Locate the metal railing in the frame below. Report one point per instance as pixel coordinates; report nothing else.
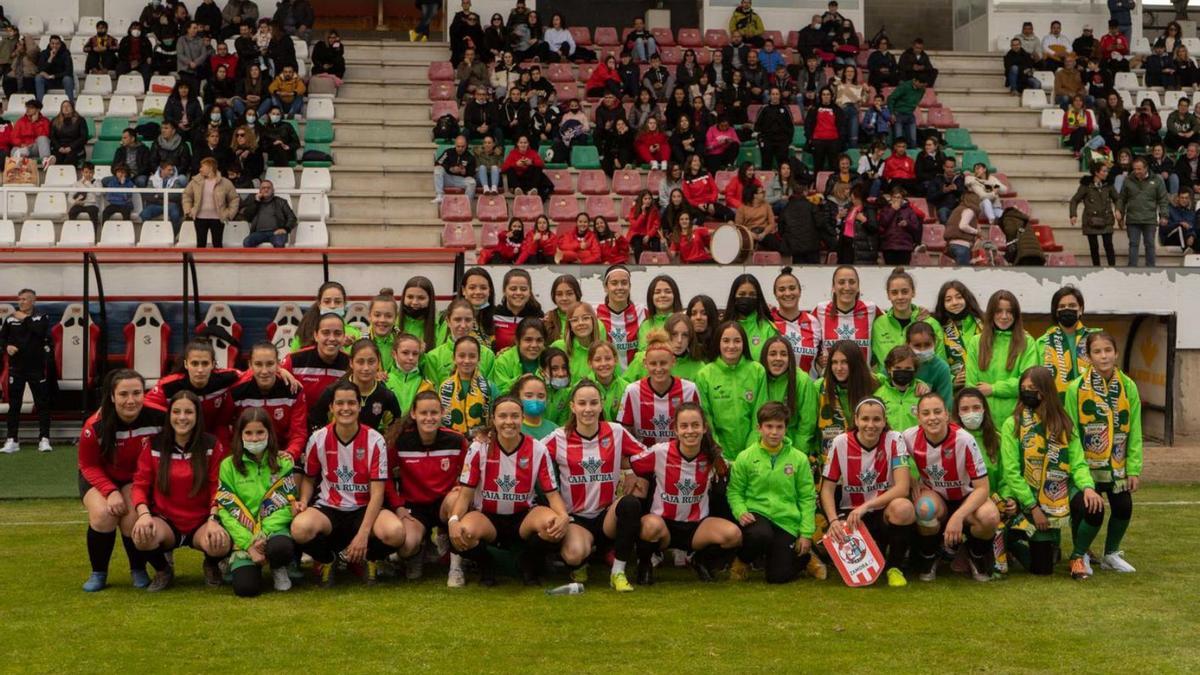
(163, 193)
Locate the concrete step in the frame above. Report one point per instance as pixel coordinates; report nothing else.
(386, 132)
(1040, 185)
(957, 97)
(396, 52)
(1000, 137)
(409, 232)
(348, 177)
(412, 109)
(374, 70)
(368, 206)
(1011, 118)
(974, 77)
(376, 154)
(1030, 160)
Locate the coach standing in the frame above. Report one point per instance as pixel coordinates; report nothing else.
(25, 337)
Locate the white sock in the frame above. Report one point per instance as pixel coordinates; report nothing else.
(618, 566)
(455, 561)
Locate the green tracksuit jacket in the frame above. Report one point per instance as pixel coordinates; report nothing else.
(777, 486)
(887, 334)
(250, 488)
(731, 397)
(1006, 383)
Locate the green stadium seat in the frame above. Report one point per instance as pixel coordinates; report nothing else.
(750, 154)
(111, 129)
(972, 157)
(318, 131)
(103, 152)
(585, 157)
(798, 138)
(544, 153)
(959, 139)
(854, 154)
(321, 147)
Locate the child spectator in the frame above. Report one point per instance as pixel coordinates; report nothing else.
(87, 203)
(987, 188)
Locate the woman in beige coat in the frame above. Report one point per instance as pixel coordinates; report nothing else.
(210, 200)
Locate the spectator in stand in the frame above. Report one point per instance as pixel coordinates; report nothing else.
(279, 139)
(247, 155)
(721, 145)
(471, 74)
(756, 77)
(495, 40)
(1099, 199)
(686, 140)
(208, 16)
(747, 22)
(429, 11)
(915, 62)
(988, 188)
(899, 229)
(526, 41)
(900, 170)
(574, 121)
(962, 229)
(652, 145)
(657, 79)
(287, 92)
(1143, 206)
(86, 203)
(809, 82)
(677, 106)
(606, 116)
(1086, 46)
(756, 215)
(1159, 69)
(735, 189)
(945, 190)
(645, 233)
(1068, 83)
(780, 189)
(183, 108)
(1160, 163)
(480, 116)
(465, 31)
(903, 102)
(672, 180)
(1030, 42)
(68, 135)
(505, 73)
(518, 15)
(561, 44)
(737, 99)
(135, 157)
(164, 58)
(210, 200)
(1182, 125)
(222, 57)
(157, 15)
(630, 76)
(876, 125)
(1055, 47)
(850, 96)
(215, 146)
(845, 175)
(882, 69)
(513, 115)
(640, 42)
(455, 168)
(488, 158)
(118, 203)
(171, 146)
(1114, 124)
(24, 54)
(617, 149)
(704, 89)
(1181, 223)
(1122, 169)
(814, 40)
(1184, 69)
(1172, 37)
(700, 191)
(1114, 41)
(101, 50)
(774, 130)
(1144, 124)
(845, 44)
(192, 54)
(219, 94)
(166, 178)
(1115, 63)
(31, 135)
(246, 48)
(736, 54)
(1079, 125)
(821, 126)
(250, 93)
(538, 87)
(692, 242)
(688, 72)
(524, 171)
(870, 168)
(767, 56)
(1120, 16)
(1187, 169)
(270, 218)
(808, 225)
(295, 17)
(1019, 67)
(604, 78)
(55, 70)
(236, 13)
(543, 123)
(929, 160)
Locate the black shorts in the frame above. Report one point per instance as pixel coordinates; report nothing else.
(429, 515)
(84, 485)
(873, 521)
(182, 538)
(681, 533)
(508, 527)
(345, 525)
(594, 525)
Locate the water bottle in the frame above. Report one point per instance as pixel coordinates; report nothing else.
(573, 588)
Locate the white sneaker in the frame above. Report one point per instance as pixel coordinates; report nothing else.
(44, 445)
(930, 575)
(1116, 562)
(456, 579)
(282, 581)
(11, 447)
(436, 200)
(1087, 563)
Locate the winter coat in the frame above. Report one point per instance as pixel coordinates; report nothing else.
(806, 226)
(1015, 226)
(899, 229)
(1099, 202)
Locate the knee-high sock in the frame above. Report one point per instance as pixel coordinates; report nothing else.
(1085, 534)
(1121, 504)
(137, 558)
(319, 549)
(629, 513)
(899, 538)
(927, 551)
(980, 551)
(100, 547)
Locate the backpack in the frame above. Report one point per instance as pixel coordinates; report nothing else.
(445, 128)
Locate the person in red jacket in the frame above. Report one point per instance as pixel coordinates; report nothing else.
(507, 247)
(109, 447)
(319, 366)
(900, 170)
(645, 222)
(525, 171)
(700, 190)
(604, 79)
(1078, 125)
(614, 246)
(692, 245)
(577, 243)
(652, 145)
(6, 139)
(31, 134)
(263, 386)
(736, 187)
(1113, 41)
(540, 245)
(199, 375)
(173, 492)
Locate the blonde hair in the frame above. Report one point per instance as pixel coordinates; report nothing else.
(212, 165)
(251, 137)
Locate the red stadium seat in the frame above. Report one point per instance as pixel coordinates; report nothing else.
(793, 41)
(930, 99)
(921, 205)
(775, 37)
(933, 236)
(663, 37)
(562, 181)
(823, 180)
(561, 72)
(563, 208)
(723, 178)
(1045, 237)
(441, 91)
(766, 258)
(752, 111)
(458, 235)
(654, 179)
(690, 37)
(1008, 193)
(627, 205)
(490, 234)
(1061, 259)
(593, 182)
(443, 108)
(626, 182)
(581, 35)
(527, 208)
(597, 205)
(606, 36)
(1018, 204)
(922, 259)
(997, 236)
(942, 118)
(492, 208)
(715, 38)
(703, 56)
(585, 71)
(440, 71)
(654, 258)
(456, 208)
(671, 55)
(797, 116)
(566, 91)
(862, 57)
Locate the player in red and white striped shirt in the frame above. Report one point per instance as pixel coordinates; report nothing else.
(684, 470)
(500, 478)
(346, 465)
(622, 319)
(588, 452)
(649, 404)
(847, 316)
(953, 490)
(801, 329)
(869, 463)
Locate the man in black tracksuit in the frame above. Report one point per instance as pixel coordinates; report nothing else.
(25, 338)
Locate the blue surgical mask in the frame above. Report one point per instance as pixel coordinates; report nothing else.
(533, 407)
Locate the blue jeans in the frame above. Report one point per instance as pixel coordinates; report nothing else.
(256, 239)
(943, 213)
(905, 125)
(1173, 184)
(292, 109)
(1018, 83)
(1064, 102)
(850, 114)
(488, 177)
(961, 254)
(428, 12)
(41, 84)
(155, 212)
(1141, 233)
(643, 48)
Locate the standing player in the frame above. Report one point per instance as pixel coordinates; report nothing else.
(869, 464)
(887, 331)
(621, 318)
(345, 467)
(405, 378)
(958, 313)
(800, 328)
(1000, 353)
(954, 479)
(25, 339)
(846, 316)
(732, 389)
(588, 453)
(200, 377)
(794, 389)
(1063, 346)
(262, 387)
(651, 403)
(320, 365)
(495, 504)
(747, 305)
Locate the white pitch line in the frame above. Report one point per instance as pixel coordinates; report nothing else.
(35, 523)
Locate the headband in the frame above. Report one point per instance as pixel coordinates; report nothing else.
(616, 268)
(868, 400)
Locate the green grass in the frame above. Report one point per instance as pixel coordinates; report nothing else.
(1142, 622)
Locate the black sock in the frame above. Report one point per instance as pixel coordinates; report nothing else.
(927, 551)
(899, 537)
(212, 560)
(629, 521)
(157, 559)
(137, 558)
(477, 554)
(100, 547)
(319, 549)
(980, 551)
(533, 555)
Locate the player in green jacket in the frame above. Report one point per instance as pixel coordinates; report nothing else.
(256, 496)
(524, 358)
(558, 385)
(732, 389)
(887, 331)
(583, 330)
(958, 313)
(931, 368)
(418, 313)
(748, 306)
(793, 388)
(1046, 474)
(331, 299)
(772, 497)
(1061, 348)
(1106, 408)
(901, 390)
(970, 411)
(438, 363)
(662, 300)
(602, 360)
(404, 378)
(1001, 352)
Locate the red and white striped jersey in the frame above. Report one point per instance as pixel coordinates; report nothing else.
(681, 484)
(803, 334)
(854, 325)
(622, 328)
(506, 483)
(864, 473)
(649, 415)
(345, 470)
(590, 468)
(949, 468)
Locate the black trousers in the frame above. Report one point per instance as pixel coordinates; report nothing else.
(40, 388)
(204, 226)
(1110, 254)
(92, 212)
(897, 257)
(772, 155)
(765, 538)
(825, 155)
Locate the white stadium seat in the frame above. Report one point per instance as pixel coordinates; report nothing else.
(87, 25)
(315, 178)
(18, 204)
(319, 109)
(357, 316)
(1052, 118)
(1192, 44)
(219, 314)
(148, 336)
(157, 234)
(32, 25)
(1144, 94)
(37, 234)
(312, 235)
(1034, 98)
(58, 175)
(282, 177)
(72, 327)
(167, 81)
(1126, 99)
(78, 234)
(124, 106)
(1046, 78)
(152, 103)
(75, 46)
(52, 205)
(235, 232)
(90, 106)
(98, 84)
(52, 103)
(62, 26)
(1141, 46)
(8, 233)
(312, 207)
(132, 85)
(103, 171)
(119, 27)
(79, 63)
(117, 233)
(1126, 81)
(1171, 99)
(187, 235)
(283, 327)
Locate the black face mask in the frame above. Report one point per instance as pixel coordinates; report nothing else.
(409, 310)
(959, 316)
(745, 306)
(1031, 399)
(1067, 318)
(903, 376)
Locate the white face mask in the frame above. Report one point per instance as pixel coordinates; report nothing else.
(560, 382)
(924, 356)
(135, 33)
(276, 118)
(215, 117)
(249, 119)
(972, 420)
(255, 448)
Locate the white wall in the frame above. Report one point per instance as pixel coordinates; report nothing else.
(780, 15)
(47, 9)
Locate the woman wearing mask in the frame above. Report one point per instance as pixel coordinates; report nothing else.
(1000, 353)
(901, 390)
(931, 369)
(1063, 347)
(971, 413)
(556, 367)
(887, 331)
(732, 389)
(418, 315)
(747, 305)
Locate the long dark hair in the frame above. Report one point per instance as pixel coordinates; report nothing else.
(107, 421)
(727, 325)
(789, 375)
(312, 316)
(359, 345)
(860, 383)
(483, 317)
(706, 338)
(676, 306)
(942, 315)
(1051, 411)
(987, 430)
(238, 451)
(695, 349)
(553, 326)
(708, 444)
(532, 305)
(429, 319)
(195, 346)
(987, 330)
(763, 311)
(197, 445)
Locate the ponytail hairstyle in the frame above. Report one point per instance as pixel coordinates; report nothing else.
(483, 316)
(237, 450)
(787, 272)
(197, 447)
(790, 396)
(708, 445)
(1098, 336)
(429, 317)
(197, 345)
(407, 423)
(585, 383)
(519, 386)
(312, 316)
(657, 339)
(987, 331)
(532, 306)
(456, 304)
(898, 273)
(972, 308)
(838, 270)
(987, 429)
(1051, 412)
(860, 383)
(107, 419)
(870, 400)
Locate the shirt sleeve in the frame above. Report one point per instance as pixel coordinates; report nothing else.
(643, 462)
(976, 468)
(312, 458)
(471, 471)
(297, 426)
(630, 446)
(379, 457)
(143, 477)
(1011, 463)
(833, 466)
(547, 476)
(90, 463)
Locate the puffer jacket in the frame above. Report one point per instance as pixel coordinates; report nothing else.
(866, 237)
(899, 229)
(1143, 201)
(958, 229)
(807, 225)
(1099, 200)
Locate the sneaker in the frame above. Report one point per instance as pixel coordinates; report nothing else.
(97, 581)
(978, 574)
(456, 578)
(11, 447)
(896, 578)
(580, 574)
(815, 568)
(324, 574)
(931, 575)
(1087, 562)
(372, 575)
(413, 567)
(703, 573)
(139, 578)
(424, 38)
(620, 583)
(162, 580)
(1079, 569)
(212, 574)
(681, 558)
(1116, 562)
(44, 445)
(518, 192)
(283, 580)
(294, 571)
(438, 199)
(739, 571)
(412, 36)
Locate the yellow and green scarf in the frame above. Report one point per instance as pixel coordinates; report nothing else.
(466, 405)
(1046, 469)
(1066, 363)
(956, 348)
(831, 421)
(1104, 420)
